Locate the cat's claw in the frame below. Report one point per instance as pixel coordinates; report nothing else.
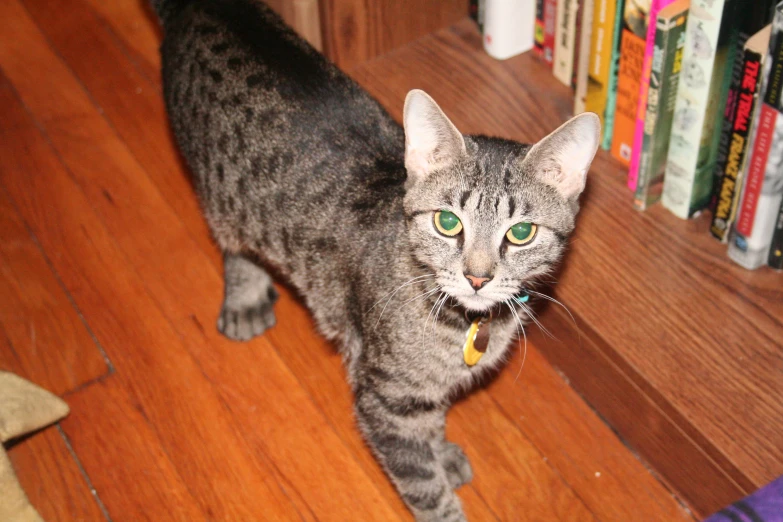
(246, 323)
(456, 464)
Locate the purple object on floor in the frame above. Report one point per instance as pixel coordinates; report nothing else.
(765, 505)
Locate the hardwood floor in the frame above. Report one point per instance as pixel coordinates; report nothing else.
(111, 287)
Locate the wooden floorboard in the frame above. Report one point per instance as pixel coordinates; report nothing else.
(46, 340)
(52, 479)
(683, 348)
(192, 426)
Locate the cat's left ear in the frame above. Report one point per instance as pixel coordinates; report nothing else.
(432, 142)
(563, 158)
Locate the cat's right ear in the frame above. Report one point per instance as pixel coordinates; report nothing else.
(432, 142)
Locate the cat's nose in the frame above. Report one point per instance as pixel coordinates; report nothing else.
(478, 281)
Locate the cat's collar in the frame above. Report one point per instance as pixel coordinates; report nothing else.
(477, 337)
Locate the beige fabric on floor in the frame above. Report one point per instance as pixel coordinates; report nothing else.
(24, 407)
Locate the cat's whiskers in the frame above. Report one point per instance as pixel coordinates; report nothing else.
(437, 312)
(529, 312)
(407, 283)
(442, 297)
(553, 300)
(428, 292)
(520, 326)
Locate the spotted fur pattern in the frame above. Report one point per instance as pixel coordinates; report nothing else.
(300, 170)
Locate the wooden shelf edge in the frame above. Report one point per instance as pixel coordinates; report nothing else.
(693, 468)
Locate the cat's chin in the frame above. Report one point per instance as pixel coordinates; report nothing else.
(476, 303)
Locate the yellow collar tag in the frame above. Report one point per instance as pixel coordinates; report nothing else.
(474, 349)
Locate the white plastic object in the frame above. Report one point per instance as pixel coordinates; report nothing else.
(508, 27)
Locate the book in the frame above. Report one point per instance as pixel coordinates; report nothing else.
(565, 35)
(662, 95)
(583, 49)
(538, 32)
(577, 39)
(550, 23)
(601, 38)
(744, 109)
(749, 20)
(476, 12)
(644, 85)
(776, 245)
(684, 193)
(629, 73)
(611, 88)
(762, 189)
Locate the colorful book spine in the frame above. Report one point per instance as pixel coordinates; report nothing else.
(565, 35)
(762, 190)
(644, 85)
(538, 33)
(550, 25)
(728, 189)
(632, 48)
(611, 89)
(776, 245)
(583, 63)
(750, 19)
(600, 58)
(664, 79)
(476, 12)
(683, 193)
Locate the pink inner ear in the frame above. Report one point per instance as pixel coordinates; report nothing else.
(416, 162)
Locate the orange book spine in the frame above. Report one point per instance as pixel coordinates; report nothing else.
(629, 74)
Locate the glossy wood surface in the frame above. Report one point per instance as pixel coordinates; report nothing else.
(679, 348)
(189, 426)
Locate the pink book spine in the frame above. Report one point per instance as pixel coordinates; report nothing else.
(641, 108)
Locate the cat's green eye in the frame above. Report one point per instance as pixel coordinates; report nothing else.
(447, 223)
(521, 233)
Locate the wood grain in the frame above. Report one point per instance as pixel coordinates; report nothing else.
(150, 356)
(192, 426)
(52, 480)
(141, 221)
(656, 294)
(125, 459)
(45, 339)
(355, 31)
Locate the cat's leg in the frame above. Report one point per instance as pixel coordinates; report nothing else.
(454, 462)
(401, 431)
(249, 296)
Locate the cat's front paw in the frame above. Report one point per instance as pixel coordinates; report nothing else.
(242, 324)
(456, 464)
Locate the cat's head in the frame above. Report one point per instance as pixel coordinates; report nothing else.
(487, 216)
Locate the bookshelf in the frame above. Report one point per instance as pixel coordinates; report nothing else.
(679, 349)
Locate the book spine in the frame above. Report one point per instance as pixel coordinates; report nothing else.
(750, 19)
(762, 189)
(628, 77)
(538, 33)
(611, 89)
(600, 56)
(776, 245)
(644, 85)
(563, 67)
(664, 78)
(550, 24)
(577, 31)
(731, 179)
(583, 63)
(476, 12)
(683, 192)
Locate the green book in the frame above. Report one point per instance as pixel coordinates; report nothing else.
(611, 95)
(661, 97)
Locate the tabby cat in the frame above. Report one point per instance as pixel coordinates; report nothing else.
(400, 241)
